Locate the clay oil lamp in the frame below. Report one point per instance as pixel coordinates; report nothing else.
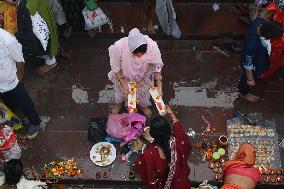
(261, 170)
(131, 175)
(204, 145)
(215, 170)
(211, 165)
(266, 171)
(279, 179)
(223, 140)
(266, 179)
(272, 171)
(198, 145)
(217, 164)
(99, 175)
(274, 179)
(217, 177)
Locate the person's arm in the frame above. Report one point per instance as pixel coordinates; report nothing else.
(171, 115)
(120, 80)
(249, 53)
(15, 52)
(20, 70)
(115, 63)
(158, 82)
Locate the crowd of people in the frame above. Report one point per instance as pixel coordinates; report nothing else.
(136, 58)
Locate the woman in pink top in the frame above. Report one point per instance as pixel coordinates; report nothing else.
(135, 58)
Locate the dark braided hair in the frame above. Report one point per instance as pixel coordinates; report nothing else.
(13, 170)
(160, 130)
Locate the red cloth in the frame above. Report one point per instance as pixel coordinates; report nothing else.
(154, 171)
(277, 45)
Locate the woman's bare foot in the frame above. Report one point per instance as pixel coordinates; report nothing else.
(250, 97)
(46, 68)
(117, 108)
(150, 28)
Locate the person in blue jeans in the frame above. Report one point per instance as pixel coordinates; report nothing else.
(255, 55)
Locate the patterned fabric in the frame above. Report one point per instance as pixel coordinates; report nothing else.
(94, 19)
(172, 164)
(40, 29)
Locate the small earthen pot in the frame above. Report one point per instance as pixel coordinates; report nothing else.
(274, 179)
(223, 140)
(217, 177)
(99, 175)
(266, 179)
(131, 175)
(215, 170)
(279, 179)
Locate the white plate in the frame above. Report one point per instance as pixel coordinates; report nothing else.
(109, 160)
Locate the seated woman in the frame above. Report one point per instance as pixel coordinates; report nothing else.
(135, 58)
(240, 173)
(164, 163)
(255, 55)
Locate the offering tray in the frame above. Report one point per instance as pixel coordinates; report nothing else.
(263, 136)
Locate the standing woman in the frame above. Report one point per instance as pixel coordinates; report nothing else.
(164, 163)
(135, 58)
(44, 10)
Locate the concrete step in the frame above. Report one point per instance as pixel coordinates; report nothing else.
(196, 20)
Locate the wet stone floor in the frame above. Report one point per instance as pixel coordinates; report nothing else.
(198, 81)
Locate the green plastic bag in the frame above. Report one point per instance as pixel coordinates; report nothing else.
(91, 5)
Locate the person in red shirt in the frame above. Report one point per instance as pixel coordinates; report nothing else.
(277, 45)
(164, 163)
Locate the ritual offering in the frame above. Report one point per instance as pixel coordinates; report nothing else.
(221, 151)
(160, 105)
(132, 97)
(262, 136)
(56, 170)
(103, 154)
(216, 156)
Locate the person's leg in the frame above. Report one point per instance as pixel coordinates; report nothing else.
(23, 101)
(149, 9)
(50, 63)
(244, 89)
